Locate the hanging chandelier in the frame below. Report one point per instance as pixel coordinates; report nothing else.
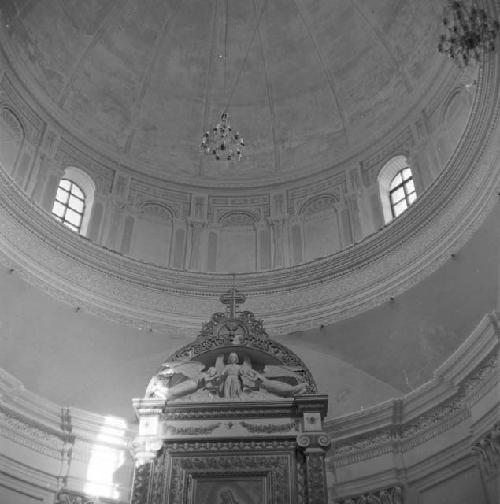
(222, 142)
(469, 32)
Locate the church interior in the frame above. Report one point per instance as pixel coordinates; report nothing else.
(249, 252)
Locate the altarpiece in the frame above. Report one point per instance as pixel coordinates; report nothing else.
(231, 418)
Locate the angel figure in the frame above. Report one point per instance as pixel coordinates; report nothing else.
(282, 380)
(176, 379)
(232, 372)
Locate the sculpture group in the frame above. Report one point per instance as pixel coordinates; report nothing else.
(230, 380)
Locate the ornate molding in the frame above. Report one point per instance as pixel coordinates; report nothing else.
(199, 430)
(408, 433)
(388, 495)
(276, 466)
(242, 330)
(232, 411)
(268, 428)
(232, 445)
(32, 435)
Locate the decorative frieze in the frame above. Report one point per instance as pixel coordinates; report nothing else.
(390, 495)
(268, 428)
(249, 445)
(33, 436)
(192, 430)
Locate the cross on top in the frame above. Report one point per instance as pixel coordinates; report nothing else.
(233, 298)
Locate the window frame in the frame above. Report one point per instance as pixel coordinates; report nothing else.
(70, 193)
(85, 183)
(406, 194)
(387, 174)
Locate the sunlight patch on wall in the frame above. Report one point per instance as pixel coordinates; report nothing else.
(107, 456)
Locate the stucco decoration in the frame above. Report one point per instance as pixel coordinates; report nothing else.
(391, 495)
(232, 359)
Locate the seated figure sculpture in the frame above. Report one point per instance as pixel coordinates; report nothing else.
(231, 381)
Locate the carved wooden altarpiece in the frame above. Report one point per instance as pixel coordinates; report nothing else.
(232, 418)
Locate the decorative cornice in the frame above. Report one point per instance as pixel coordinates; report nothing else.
(405, 434)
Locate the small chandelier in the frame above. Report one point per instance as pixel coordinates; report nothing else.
(469, 32)
(221, 142)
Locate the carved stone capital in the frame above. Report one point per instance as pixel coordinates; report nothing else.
(145, 448)
(316, 441)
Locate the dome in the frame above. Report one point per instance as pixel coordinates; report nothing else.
(307, 84)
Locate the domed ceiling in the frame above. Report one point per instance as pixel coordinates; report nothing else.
(141, 80)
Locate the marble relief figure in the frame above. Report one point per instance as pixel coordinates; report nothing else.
(227, 379)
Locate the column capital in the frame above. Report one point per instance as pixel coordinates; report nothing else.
(145, 448)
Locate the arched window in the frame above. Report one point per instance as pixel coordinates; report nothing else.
(402, 191)
(69, 204)
(74, 200)
(397, 187)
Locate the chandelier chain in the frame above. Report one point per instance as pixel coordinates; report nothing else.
(221, 141)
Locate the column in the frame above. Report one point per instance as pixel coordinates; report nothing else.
(314, 442)
(196, 230)
(263, 248)
(145, 448)
(351, 202)
(279, 238)
(112, 229)
(50, 188)
(178, 257)
(315, 446)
